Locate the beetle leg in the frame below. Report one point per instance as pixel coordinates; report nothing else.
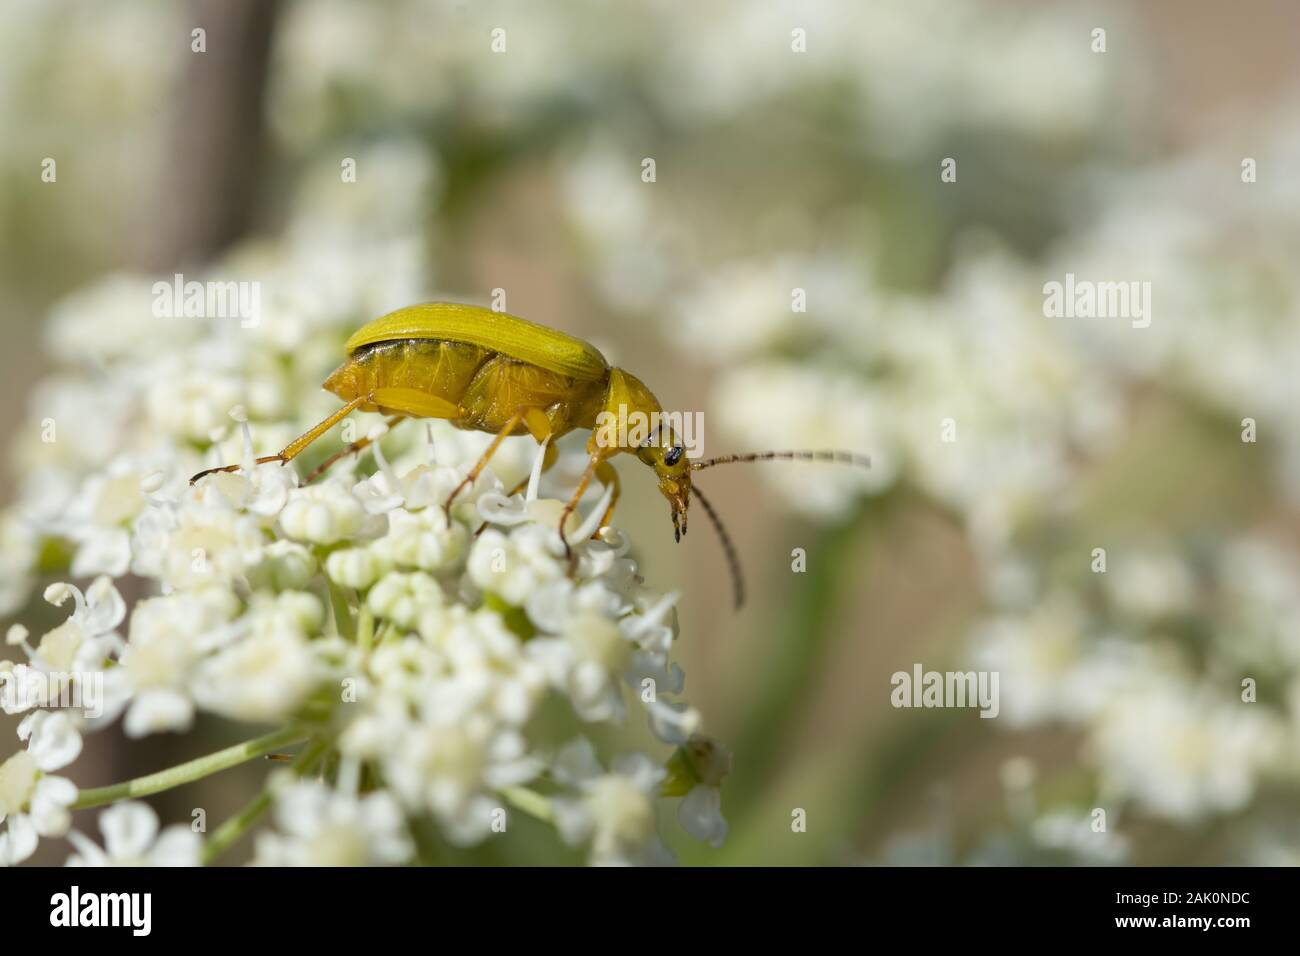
(537, 423)
(352, 449)
(551, 457)
(229, 468)
(413, 402)
(572, 506)
(292, 450)
(479, 465)
(607, 476)
(295, 447)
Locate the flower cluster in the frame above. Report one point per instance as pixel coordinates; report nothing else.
(447, 670)
(357, 611)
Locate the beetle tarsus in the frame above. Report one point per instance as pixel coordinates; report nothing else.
(570, 556)
(212, 471)
(229, 468)
(451, 499)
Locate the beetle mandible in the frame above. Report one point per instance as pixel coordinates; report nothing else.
(488, 371)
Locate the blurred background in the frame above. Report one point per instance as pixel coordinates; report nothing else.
(795, 146)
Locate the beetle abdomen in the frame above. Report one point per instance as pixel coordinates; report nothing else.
(503, 385)
(434, 366)
(488, 386)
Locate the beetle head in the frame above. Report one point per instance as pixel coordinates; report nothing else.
(673, 469)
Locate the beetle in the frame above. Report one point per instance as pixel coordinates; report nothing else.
(488, 371)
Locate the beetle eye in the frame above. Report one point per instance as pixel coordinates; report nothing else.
(673, 455)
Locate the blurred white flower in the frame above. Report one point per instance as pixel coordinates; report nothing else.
(1050, 667)
(132, 838)
(791, 406)
(1071, 831)
(1150, 584)
(746, 308)
(514, 566)
(322, 514)
(449, 763)
(405, 599)
(615, 812)
(83, 643)
(1180, 751)
(321, 826)
(266, 674)
(33, 803)
(168, 637)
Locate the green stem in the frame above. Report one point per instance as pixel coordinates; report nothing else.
(191, 771)
(801, 644)
(226, 835)
(365, 627)
(342, 613)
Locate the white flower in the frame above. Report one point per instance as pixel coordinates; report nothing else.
(322, 514)
(484, 665)
(33, 803)
(516, 565)
(194, 404)
(86, 638)
(100, 514)
(355, 567)
(1072, 832)
(107, 319)
(591, 659)
(700, 814)
(420, 539)
(405, 599)
(697, 770)
(131, 838)
(745, 308)
(1049, 667)
(168, 637)
(615, 812)
(1261, 603)
(53, 738)
(203, 541)
(18, 550)
(448, 766)
(321, 826)
(587, 663)
(776, 405)
(266, 674)
(283, 566)
(261, 490)
(1151, 584)
(1182, 753)
(71, 652)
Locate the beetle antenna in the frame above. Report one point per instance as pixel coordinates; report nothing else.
(838, 457)
(733, 559)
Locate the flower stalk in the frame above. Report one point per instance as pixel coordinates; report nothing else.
(190, 771)
(229, 833)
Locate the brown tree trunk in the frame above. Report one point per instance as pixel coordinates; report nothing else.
(211, 176)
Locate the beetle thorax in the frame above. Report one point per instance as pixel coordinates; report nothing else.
(628, 415)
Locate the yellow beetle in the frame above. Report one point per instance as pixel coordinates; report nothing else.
(487, 371)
